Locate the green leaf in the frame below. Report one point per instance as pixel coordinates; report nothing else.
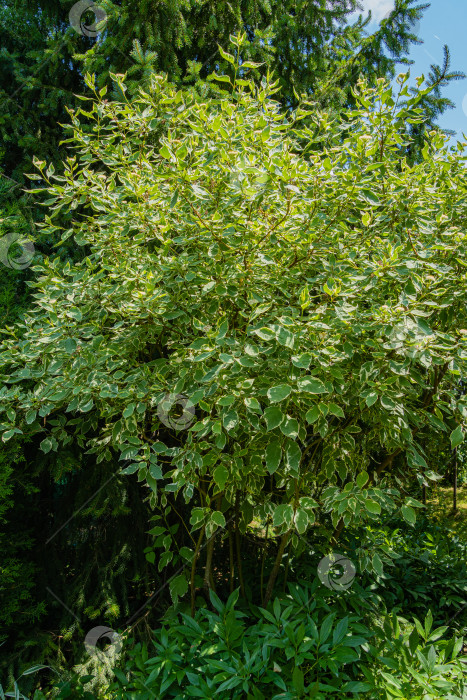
(253, 404)
(186, 553)
(129, 410)
(70, 345)
(293, 455)
(282, 514)
(408, 514)
(304, 297)
(165, 153)
(265, 333)
(178, 587)
(285, 337)
(302, 361)
(356, 687)
(371, 398)
(336, 410)
(372, 507)
(311, 385)
(457, 436)
(250, 64)
(279, 392)
(273, 456)
(230, 420)
(221, 475)
(132, 469)
(301, 521)
(222, 78)
(312, 415)
(226, 56)
(273, 417)
(46, 445)
(86, 406)
(377, 564)
(362, 479)
(174, 199)
(31, 416)
(218, 518)
(387, 403)
(226, 400)
(298, 680)
(289, 427)
(370, 197)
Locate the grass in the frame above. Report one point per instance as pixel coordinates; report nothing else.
(439, 507)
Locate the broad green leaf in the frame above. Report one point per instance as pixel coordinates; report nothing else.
(370, 197)
(372, 506)
(362, 479)
(265, 333)
(218, 518)
(252, 404)
(273, 417)
(178, 587)
(457, 436)
(31, 416)
(46, 445)
(273, 456)
(293, 455)
(230, 420)
(408, 514)
(279, 393)
(283, 514)
(377, 564)
(302, 361)
(285, 337)
(336, 410)
(221, 475)
(289, 427)
(301, 521)
(129, 410)
(312, 415)
(311, 385)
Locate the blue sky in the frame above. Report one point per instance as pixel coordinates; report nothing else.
(444, 22)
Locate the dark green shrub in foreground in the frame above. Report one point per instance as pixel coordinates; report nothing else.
(304, 646)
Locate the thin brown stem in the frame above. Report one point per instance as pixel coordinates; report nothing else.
(231, 560)
(193, 570)
(237, 542)
(276, 567)
(263, 558)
